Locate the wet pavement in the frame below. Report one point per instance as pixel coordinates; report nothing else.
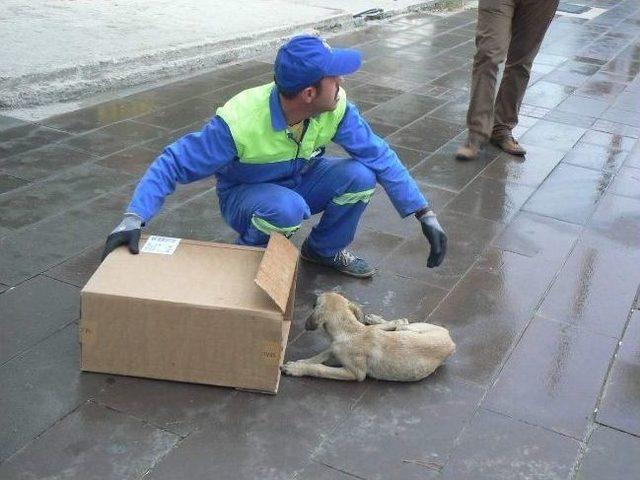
(539, 289)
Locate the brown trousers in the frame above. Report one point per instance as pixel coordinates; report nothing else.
(511, 30)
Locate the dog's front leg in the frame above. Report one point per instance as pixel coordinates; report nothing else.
(319, 358)
(302, 369)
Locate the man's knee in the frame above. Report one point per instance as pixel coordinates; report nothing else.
(361, 183)
(489, 55)
(282, 214)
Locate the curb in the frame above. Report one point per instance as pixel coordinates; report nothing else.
(73, 83)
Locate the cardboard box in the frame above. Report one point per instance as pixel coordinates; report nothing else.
(205, 313)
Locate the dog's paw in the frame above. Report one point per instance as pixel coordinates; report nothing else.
(293, 369)
(402, 321)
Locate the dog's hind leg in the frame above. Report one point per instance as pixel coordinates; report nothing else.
(391, 325)
(373, 319)
(302, 369)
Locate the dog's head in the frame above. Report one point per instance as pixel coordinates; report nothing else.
(332, 308)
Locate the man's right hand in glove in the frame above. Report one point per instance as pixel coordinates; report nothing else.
(126, 233)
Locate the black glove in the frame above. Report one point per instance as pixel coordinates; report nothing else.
(437, 238)
(126, 233)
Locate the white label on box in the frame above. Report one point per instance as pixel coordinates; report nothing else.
(162, 245)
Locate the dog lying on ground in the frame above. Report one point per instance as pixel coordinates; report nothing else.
(370, 346)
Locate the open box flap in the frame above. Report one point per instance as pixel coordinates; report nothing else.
(277, 270)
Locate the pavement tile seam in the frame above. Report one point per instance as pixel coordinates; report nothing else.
(60, 419)
(133, 179)
(138, 419)
(44, 339)
(344, 472)
(617, 429)
(45, 147)
(573, 326)
(584, 445)
(489, 409)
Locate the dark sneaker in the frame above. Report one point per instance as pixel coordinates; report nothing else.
(344, 261)
(509, 145)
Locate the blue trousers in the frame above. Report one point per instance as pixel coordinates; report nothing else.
(339, 187)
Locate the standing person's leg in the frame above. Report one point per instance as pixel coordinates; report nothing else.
(492, 39)
(341, 188)
(531, 20)
(257, 210)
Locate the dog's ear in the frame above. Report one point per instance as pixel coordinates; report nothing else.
(311, 323)
(357, 311)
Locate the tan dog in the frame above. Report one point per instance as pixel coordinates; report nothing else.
(370, 346)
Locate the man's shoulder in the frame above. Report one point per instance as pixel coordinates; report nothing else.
(246, 103)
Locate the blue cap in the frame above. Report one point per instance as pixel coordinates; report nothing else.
(305, 59)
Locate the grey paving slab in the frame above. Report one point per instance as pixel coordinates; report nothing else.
(442, 170)
(197, 219)
(27, 137)
(459, 78)
(595, 157)
(177, 407)
(134, 160)
(321, 472)
(633, 159)
(412, 136)
(44, 162)
(98, 116)
(9, 182)
(381, 129)
(115, 137)
(381, 215)
(622, 116)
(410, 157)
(616, 128)
(404, 109)
(416, 439)
(530, 171)
(617, 221)
(570, 193)
(626, 183)
(495, 446)
(492, 304)
(553, 377)
(610, 454)
(93, 442)
(553, 135)
(595, 288)
(546, 94)
(261, 436)
(611, 141)
(592, 107)
(40, 387)
(34, 249)
(53, 196)
(574, 119)
(492, 199)
(372, 93)
(158, 144)
(620, 403)
(467, 235)
(34, 310)
(78, 269)
(180, 115)
(454, 111)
